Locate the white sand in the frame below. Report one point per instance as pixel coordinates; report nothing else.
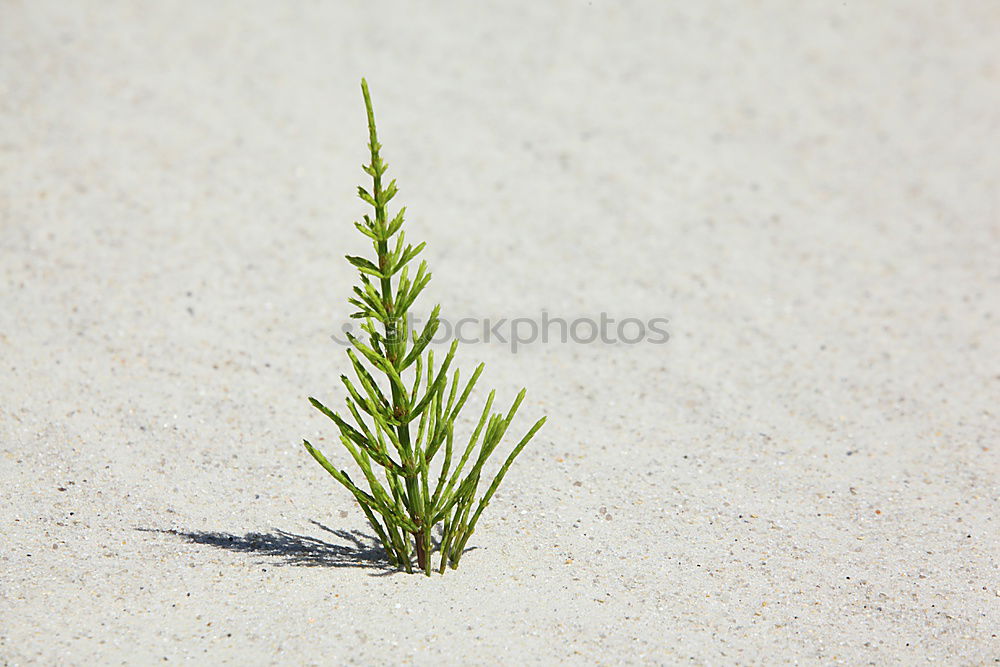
(806, 472)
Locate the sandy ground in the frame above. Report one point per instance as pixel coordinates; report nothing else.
(807, 472)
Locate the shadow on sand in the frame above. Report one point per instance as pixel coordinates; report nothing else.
(352, 548)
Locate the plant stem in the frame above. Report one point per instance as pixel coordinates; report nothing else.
(395, 349)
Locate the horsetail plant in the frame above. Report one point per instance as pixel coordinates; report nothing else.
(403, 431)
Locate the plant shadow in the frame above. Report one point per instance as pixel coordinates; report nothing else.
(355, 549)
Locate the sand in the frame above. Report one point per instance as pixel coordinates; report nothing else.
(806, 472)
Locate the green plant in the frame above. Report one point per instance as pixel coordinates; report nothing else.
(406, 502)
